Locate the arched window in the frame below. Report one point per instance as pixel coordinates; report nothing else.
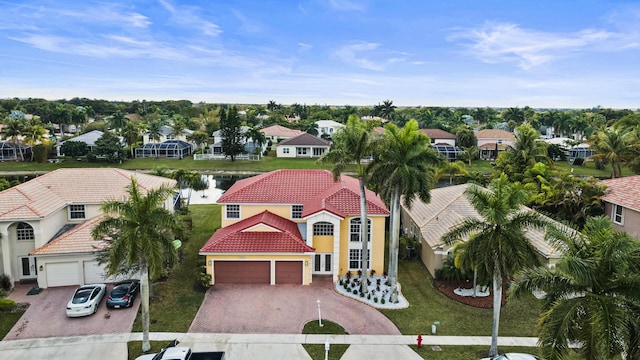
(322, 228)
(354, 229)
(24, 231)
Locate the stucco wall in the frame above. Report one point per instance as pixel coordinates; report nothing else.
(630, 220)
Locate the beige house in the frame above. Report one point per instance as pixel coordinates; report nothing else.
(622, 203)
(46, 224)
(440, 137)
(276, 133)
(449, 206)
(491, 139)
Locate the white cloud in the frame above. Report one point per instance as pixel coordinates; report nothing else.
(499, 43)
(351, 54)
(348, 5)
(303, 47)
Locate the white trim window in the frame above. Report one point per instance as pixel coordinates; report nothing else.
(354, 259)
(323, 228)
(232, 211)
(77, 212)
(296, 211)
(24, 231)
(354, 229)
(618, 214)
(285, 150)
(302, 150)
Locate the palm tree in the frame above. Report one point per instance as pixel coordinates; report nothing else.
(12, 130)
(613, 145)
(257, 136)
(452, 169)
(141, 233)
(404, 167)
(525, 152)
(499, 246)
(351, 144)
(386, 109)
(131, 134)
(199, 138)
(118, 121)
(154, 128)
(591, 295)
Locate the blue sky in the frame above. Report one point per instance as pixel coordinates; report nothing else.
(542, 53)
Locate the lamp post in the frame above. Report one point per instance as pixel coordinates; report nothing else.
(319, 314)
(326, 350)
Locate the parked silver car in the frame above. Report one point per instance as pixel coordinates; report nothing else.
(85, 300)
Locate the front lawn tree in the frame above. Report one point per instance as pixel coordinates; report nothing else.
(496, 241)
(231, 131)
(110, 147)
(74, 148)
(351, 144)
(403, 168)
(591, 295)
(140, 232)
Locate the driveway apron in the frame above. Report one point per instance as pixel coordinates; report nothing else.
(47, 317)
(284, 309)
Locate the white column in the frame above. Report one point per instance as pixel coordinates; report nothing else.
(6, 254)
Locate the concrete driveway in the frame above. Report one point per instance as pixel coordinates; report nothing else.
(46, 316)
(284, 309)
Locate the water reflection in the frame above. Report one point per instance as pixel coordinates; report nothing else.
(217, 186)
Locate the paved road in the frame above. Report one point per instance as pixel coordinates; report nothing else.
(240, 346)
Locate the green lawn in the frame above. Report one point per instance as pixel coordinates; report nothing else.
(175, 301)
(316, 351)
(428, 305)
(7, 320)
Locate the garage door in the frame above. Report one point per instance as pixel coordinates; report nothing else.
(62, 274)
(289, 272)
(94, 273)
(242, 272)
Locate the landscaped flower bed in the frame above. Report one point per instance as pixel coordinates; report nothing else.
(379, 291)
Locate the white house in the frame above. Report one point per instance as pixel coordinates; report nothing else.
(87, 138)
(328, 127)
(166, 134)
(46, 223)
(302, 146)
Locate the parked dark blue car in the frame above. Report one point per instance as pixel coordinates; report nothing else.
(123, 294)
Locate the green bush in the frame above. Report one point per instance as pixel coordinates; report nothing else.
(7, 305)
(202, 281)
(5, 282)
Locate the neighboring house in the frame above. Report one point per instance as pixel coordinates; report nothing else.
(622, 203)
(328, 127)
(440, 137)
(277, 133)
(287, 226)
(10, 151)
(46, 223)
(449, 206)
(303, 146)
(249, 145)
(165, 134)
(579, 153)
(170, 149)
(87, 138)
(490, 140)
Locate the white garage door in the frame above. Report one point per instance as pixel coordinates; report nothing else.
(94, 273)
(63, 274)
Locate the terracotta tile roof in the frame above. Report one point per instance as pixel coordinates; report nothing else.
(48, 193)
(75, 241)
(305, 139)
(449, 206)
(314, 189)
(283, 237)
(438, 134)
(492, 146)
(281, 131)
(623, 191)
(494, 134)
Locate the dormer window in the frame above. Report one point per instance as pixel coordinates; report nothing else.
(77, 212)
(296, 212)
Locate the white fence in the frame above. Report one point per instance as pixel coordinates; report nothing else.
(223, 157)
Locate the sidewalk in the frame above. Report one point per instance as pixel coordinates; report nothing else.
(241, 346)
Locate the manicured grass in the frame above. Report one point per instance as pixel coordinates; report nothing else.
(316, 351)
(428, 305)
(135, 348)
(7, 321)
(466, 352)
(176, 301)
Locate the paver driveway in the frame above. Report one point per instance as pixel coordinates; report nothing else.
(284, 309)
(47, 317)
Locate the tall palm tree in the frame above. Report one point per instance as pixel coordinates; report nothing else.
(141, 233)
(404, 167)
(613, 145)
(499, 246)
(525, 152)
(118, 121)
(351, 144)
(131, 135)
(12, 130)
(257, 136)
(591, 295)
(386, 109)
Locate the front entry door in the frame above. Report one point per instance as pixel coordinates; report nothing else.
(322, 263)
(28, 268)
